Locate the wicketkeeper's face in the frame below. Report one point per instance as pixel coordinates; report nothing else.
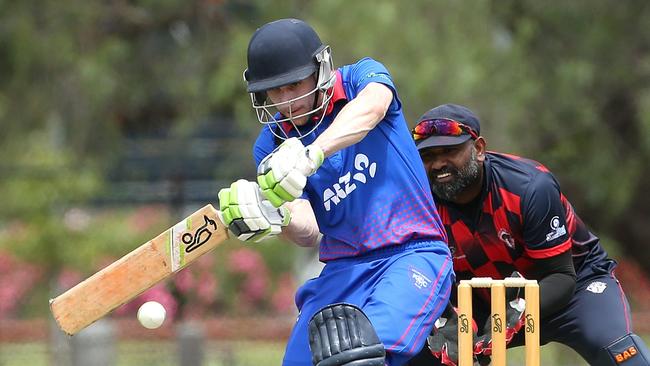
(452, 170)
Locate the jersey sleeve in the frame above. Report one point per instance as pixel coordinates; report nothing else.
(545, 230)
(263, 146)
(368, 71)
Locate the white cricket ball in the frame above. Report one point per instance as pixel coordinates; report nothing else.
(151, 314)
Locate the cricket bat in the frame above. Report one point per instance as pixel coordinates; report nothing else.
(139, 270)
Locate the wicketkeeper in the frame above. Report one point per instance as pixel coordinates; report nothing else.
(504, 213)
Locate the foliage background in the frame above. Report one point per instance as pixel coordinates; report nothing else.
(117, 117)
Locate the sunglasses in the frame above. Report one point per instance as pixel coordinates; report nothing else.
(441, 127)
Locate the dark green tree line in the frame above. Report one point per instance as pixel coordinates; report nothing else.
(564, 83)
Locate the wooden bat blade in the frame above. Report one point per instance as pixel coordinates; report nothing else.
(139, 270)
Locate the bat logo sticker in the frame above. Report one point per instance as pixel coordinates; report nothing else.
(200, 236)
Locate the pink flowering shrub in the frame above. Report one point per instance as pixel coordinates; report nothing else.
(234, 279)
(68, 278)
(245, 261)
(17, 278)
(282, 298)
(243, 286)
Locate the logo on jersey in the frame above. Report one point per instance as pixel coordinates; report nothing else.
(597, 287)
(556, 229)
(378, 75)
(364, 170)
(507, 238)
(420, 281)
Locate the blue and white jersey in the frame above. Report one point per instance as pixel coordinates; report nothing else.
(371, 195)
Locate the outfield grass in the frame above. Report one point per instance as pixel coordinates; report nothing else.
(162, 353)
(155, 353)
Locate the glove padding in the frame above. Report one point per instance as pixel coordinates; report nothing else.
(248, 215)
(443, 341)
(282, 175)
(515, 319)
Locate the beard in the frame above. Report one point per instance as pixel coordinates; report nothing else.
(463, 178)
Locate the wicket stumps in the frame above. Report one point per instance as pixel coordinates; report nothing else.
(498, 316)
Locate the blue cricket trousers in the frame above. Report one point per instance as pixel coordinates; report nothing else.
(402, 290)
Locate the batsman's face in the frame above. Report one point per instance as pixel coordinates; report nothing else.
(454, 170)
(296, 100)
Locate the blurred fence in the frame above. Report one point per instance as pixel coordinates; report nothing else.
(217, 341)
(214, 341)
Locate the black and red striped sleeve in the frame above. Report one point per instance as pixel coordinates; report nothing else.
(545, 230)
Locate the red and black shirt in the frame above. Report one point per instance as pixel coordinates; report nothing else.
(523, 216)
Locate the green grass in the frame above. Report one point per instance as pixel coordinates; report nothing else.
(155, 353)
(163, 353)
(18, 354)
(216, 353)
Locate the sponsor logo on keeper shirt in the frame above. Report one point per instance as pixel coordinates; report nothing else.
(556, 229)
(507, 238)
(597, 287)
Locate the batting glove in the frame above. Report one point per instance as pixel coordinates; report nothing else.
(282, 175)
(248, 215)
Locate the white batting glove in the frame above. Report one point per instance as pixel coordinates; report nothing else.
(248, 215)
(282, 175)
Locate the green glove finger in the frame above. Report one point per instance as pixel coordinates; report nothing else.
(234, 211)
(269, 181)
(227, 216)
(228, 204)
(224, 198)
(283, 194)
(275, 200)
(231, 213)
(272, 190)
(263, 181)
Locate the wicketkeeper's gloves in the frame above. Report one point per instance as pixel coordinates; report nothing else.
(443, 341)
(515, 319)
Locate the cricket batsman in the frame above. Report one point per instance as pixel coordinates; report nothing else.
(337, 168)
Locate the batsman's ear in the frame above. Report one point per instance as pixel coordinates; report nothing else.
(245, 75)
